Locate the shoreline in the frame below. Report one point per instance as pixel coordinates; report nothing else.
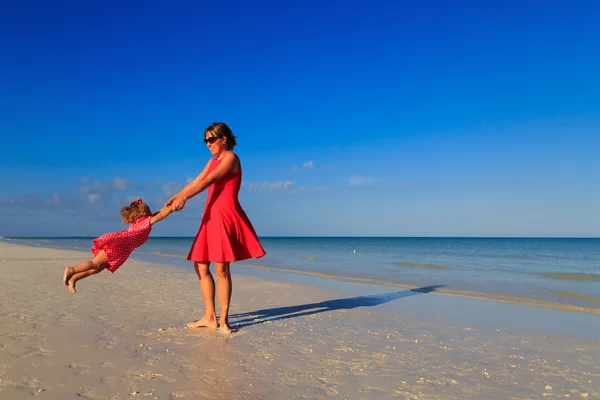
(123, 336)
(566, 296)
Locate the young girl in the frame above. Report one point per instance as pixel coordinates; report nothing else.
(112, 249)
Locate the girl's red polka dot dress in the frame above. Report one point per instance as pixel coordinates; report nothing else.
(118, 246)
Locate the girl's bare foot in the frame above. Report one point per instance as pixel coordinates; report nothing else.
(67, 275)
(72, 285)
(226, 329)
(205, 322)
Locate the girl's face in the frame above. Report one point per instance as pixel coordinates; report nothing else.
(215, 143)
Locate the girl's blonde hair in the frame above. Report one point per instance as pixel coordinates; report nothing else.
(137, 209)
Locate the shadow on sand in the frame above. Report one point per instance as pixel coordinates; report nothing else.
(280, 313)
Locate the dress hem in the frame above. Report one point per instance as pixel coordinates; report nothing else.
(234, 260)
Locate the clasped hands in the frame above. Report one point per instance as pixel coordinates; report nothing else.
(176, 202)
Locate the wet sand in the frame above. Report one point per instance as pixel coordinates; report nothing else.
(123, 336)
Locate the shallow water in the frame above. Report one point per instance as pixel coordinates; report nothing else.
(555, 270)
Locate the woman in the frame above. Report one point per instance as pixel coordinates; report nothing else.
(225, 233)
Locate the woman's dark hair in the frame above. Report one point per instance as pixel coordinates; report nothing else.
(221, 129)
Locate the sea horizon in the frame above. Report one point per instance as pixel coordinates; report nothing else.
(332, 237)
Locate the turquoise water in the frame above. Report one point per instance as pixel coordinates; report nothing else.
(563, 271)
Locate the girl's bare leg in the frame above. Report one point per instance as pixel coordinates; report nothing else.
(97, 264)
(207, 286)
(225, 289)
(81, 275)
(70, 271)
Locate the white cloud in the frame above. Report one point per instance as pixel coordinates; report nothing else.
(93, 197)
(170, 188)
(94, 189)
(54, 199)
(39, 202)
(90, 194)
(271, 186)
(8, 201)
(94, 186)
(305, 165)
(121, 184)
(362, 181)
(28, 200)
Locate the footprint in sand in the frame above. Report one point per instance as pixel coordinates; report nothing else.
(33, 351)
(111, 381)
(80, 369)
(106, 340)
(147, 376)
(69, 320)
(16, 388)
(24, 335)
(193, 393)
(89, 393)
(107, 364)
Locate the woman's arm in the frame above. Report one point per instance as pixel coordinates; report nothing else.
(227, 165)
(186, 187)
(160, 215)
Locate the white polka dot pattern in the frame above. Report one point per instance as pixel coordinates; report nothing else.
(118, 246)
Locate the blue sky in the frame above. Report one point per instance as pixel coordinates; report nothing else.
(360, 118)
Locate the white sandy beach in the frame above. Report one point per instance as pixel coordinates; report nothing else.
(124, 336)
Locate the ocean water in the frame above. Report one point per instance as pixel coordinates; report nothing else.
(558, 271)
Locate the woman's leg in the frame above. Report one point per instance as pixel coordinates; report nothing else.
(225, 289)
(207, 287)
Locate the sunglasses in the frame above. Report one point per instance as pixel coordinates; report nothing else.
(212, 139)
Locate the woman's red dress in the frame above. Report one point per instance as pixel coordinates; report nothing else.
(225, 233)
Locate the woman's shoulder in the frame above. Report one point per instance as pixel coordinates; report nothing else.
(232, 156)
(236, 165)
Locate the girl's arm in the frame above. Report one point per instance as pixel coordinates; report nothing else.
(160, 215)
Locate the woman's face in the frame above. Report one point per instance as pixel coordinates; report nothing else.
(215, 143)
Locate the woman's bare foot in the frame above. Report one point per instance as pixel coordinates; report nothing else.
(72, 285)
(226, 329)
(67, 275)
(204, 323)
